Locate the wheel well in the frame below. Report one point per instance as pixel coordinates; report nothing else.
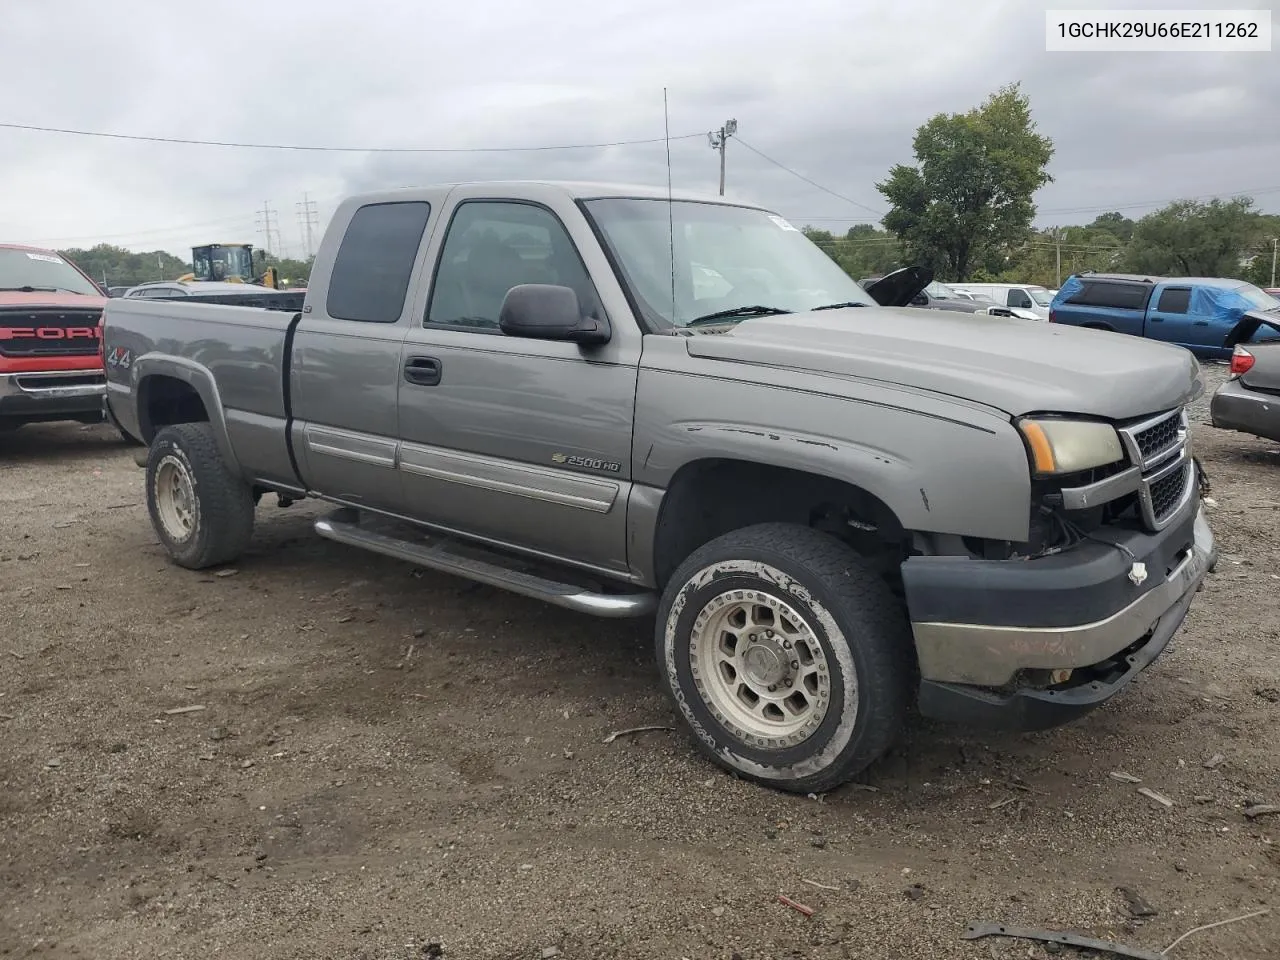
(164, 401)
(708, 498)
(1098, 326)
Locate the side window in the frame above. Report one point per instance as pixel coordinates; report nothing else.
(493, 246)
(370, 278)
(1019, 298)
(1119, 295)
(1175, 300)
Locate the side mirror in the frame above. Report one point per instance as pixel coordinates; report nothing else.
(543, 311)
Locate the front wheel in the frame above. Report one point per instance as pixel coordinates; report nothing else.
(201, 511)
(788, 657)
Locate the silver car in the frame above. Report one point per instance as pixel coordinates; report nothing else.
(1249, 401)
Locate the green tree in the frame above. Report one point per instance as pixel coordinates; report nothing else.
(1193, 239)
(116, 266)
(863, 251)
(970, 191)
(1116, 224)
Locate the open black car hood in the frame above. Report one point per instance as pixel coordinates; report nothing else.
(1250, 324)
(897, 289)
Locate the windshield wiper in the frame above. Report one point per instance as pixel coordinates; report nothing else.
(30, 289)
(755, 310)
(840, 306)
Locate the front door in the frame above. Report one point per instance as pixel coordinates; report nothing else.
(523, 442)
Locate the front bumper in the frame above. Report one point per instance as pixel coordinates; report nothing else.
(983, 628)
(37, 397)
(1235, 407)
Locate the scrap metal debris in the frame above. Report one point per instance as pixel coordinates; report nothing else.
(194, 708)
(798, 907)
(978, 930)
(1137, 903)
(1213, 762)
(1261, 809)
(1124, 777)
(1157, 797)
(622, 733)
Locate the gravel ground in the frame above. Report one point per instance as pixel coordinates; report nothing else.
(388, 759)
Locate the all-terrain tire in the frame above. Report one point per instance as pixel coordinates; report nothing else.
(204, 513)
(786, 571)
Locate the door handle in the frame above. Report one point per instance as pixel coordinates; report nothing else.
(1157, 319)
(1202, 323)
(424, 371)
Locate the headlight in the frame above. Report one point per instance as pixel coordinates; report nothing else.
(1069, 446)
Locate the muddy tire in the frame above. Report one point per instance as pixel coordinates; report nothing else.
(789, 659)
(201, 511)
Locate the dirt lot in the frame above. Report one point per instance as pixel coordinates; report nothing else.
(389, 759)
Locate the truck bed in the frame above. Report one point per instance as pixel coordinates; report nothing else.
(245, 349)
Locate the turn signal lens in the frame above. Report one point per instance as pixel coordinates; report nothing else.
(1241, 361)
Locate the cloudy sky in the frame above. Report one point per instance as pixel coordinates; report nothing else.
(831, 89)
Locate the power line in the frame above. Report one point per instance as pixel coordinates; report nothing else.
(335, 149)
(812, 183)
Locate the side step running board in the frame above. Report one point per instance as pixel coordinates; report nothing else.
(450, 557)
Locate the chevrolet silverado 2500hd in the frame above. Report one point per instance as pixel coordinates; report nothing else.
(627, 403)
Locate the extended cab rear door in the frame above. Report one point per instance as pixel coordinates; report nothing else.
(523, 442)
(345, 362)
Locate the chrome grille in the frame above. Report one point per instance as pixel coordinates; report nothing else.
(1160, 447)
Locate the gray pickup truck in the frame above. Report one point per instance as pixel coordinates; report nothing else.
(631, 403)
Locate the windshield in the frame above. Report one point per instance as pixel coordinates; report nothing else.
(940, 291)
(1258, 298)
(221, 263)
(1041, 296)
(725, 258)
(43, 271)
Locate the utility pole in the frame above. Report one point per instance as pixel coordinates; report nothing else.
(308, 218)
(1057, 239)
(266, 226)
(1274, 242)
(718, 139)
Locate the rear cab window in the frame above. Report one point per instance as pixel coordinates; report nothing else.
(374, 264)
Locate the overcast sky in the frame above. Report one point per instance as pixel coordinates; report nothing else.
(832, 89)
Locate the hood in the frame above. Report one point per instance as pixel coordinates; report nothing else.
(1002, 362)
(16, 298)
(897, 289)
(1250, 324)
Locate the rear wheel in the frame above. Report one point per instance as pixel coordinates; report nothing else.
(201, 511)
(788, 657)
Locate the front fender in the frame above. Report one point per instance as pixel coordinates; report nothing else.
(941, 467)
(200, 379)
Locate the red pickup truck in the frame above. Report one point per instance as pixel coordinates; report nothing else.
(50, 340)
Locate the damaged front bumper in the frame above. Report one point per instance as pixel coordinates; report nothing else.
(992, 637)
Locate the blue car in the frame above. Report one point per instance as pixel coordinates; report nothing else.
(1193, 312)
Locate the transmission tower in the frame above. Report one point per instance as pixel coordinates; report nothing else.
(269, 226)
(308, 219)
